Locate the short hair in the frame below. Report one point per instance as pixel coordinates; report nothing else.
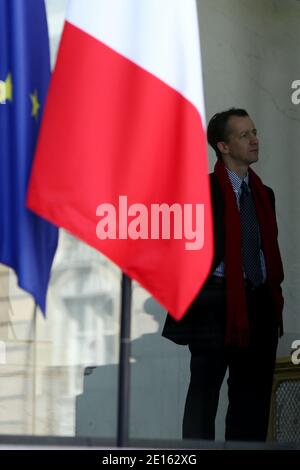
(217, 129)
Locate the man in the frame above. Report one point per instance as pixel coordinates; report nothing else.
(233, 323)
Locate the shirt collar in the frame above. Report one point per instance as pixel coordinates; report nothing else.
(236, 181)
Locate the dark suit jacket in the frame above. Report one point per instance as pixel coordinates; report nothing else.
(182, 331)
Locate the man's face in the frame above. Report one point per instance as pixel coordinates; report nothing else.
(241, 147)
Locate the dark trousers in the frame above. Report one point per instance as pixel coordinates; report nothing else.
(250, 369)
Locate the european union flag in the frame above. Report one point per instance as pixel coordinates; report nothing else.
(27, 242)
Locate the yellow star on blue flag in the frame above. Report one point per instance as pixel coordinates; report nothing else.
(6, 89)
(35, 104)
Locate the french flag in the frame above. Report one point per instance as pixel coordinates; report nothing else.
(125, 117)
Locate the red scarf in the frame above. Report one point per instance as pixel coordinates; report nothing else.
(237, 325)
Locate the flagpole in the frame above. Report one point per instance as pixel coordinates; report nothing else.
(124, 366)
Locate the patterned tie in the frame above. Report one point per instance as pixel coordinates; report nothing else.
(250, 237)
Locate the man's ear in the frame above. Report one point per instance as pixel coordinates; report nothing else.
(222, 147)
